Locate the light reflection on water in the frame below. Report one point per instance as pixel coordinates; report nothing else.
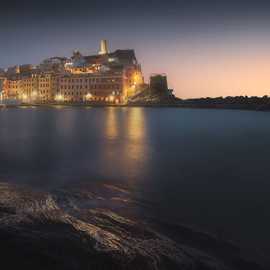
(136, 147)
(125, 146)
(204, 167)
(112, 127)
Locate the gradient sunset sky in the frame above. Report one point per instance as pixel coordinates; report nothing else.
(207, 48)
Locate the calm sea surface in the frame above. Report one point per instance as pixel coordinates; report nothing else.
(208, 168)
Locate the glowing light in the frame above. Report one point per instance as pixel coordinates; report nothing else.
(88, 96)
(34, 94)
(137, 79)
(24, 97)
(59, 97)
(111, 98)
(136, 148)
(112, 125)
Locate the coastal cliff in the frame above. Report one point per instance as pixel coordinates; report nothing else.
(146, 97)
(98, 227)
(156, 93)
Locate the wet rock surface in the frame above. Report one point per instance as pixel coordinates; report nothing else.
(101, 227)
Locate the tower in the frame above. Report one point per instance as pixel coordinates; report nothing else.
(103, 47)
(158, 82)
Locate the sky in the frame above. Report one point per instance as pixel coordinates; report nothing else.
(206, 48)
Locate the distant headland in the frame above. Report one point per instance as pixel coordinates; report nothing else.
(163, 98)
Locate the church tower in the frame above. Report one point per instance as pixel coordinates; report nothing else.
(103, 47)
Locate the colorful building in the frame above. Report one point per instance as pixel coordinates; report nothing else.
(104, 77)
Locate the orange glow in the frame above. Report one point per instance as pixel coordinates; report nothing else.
(136, 145)
(137, 78)
(112, 128)
(88, 96)
(59, 97)
(211, 69)
(24, 97)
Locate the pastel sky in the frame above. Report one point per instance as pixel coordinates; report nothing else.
(207, 48)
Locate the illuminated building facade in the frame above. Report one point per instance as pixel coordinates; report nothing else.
(104, 77)
(47, 87)
(11, 88)
(96, 87)
(2, 83)
(27, 87)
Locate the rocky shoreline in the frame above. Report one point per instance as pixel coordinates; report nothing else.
(102, 227)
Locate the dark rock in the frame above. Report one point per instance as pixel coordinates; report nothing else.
(86, 228)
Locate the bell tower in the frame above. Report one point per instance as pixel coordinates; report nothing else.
(103, 47)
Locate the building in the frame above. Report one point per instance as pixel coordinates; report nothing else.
(11, 71)
(2, 83)
(104, 77)
(158, 82)
(28, 86)
(47, 87)
(53, 64)
(91, 87)
(11, 88)
(26, 69)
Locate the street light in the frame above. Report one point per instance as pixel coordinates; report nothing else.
(59, 97)
(111, 98)
(24, 97)
(88, 96)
